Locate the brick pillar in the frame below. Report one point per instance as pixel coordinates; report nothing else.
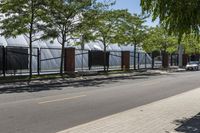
(185, 59)
(69, 60)
(125, 65)
(165, 60)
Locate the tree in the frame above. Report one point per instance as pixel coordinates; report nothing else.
(177, 16)
(191, 45)
(63, 19)
(157, 39)
(106, 27)
(22, 17)
(133, 31)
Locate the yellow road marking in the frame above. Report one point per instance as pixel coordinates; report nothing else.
(63, 99)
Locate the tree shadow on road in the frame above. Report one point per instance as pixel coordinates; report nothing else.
(64, 84)
(191, 125)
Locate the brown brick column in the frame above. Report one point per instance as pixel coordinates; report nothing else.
(185, 59)
(125, 65)
(165, 60)
(69, 60)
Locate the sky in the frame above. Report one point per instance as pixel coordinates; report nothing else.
(134, 7)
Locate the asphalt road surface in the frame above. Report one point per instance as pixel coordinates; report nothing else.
(50, 109)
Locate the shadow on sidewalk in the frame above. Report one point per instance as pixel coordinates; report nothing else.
(191, 125)
(59, 85)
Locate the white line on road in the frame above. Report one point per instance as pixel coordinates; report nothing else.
(150, 83)
(63, 99)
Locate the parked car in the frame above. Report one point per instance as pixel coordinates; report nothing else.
(193, 65)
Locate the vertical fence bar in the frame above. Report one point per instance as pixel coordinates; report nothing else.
(89, 60)
(177, 60)
(145, 60)
(138, 60)
(4, 61)
(134, 56)
(152, 60)
(171, 61)
(38, 61)
(82, 58)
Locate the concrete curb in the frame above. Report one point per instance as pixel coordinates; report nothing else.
(50, 82)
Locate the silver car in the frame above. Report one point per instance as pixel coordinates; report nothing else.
(193, 65)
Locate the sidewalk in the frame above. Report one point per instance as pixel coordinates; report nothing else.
(177, 114)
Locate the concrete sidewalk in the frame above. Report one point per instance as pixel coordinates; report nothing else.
(172, 115)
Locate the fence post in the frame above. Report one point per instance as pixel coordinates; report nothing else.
(165, 59)
(69, 60)
(4, 61)
(38, 61)
(125, 61)
(134, 56)
(138, 60)
(171, 60)
(185, 59)
(89, 60)
(152, 60)
(177, 60)
(145, 60)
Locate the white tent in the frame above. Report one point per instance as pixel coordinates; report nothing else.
(50, 52)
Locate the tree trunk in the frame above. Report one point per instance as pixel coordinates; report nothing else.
(30, 58)
(62, 58)
(30, 49)
(31, 38)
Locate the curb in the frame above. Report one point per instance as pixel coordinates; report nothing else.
(79, 80)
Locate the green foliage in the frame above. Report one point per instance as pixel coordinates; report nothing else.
(106, 27)
(84, 32)
(157, 39)
(22, 17)
(177, 16)
(133, 29)
(191, 44)
(63, 18)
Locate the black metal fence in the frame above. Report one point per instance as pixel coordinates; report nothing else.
(15, 60)
(2, 62)
(142, 60)
(49, 60)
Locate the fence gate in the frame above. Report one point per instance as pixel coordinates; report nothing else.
(16, 58)
(96, 58)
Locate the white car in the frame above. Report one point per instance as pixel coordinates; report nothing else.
(193, 65)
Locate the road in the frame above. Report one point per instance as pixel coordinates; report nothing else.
(50, 109)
